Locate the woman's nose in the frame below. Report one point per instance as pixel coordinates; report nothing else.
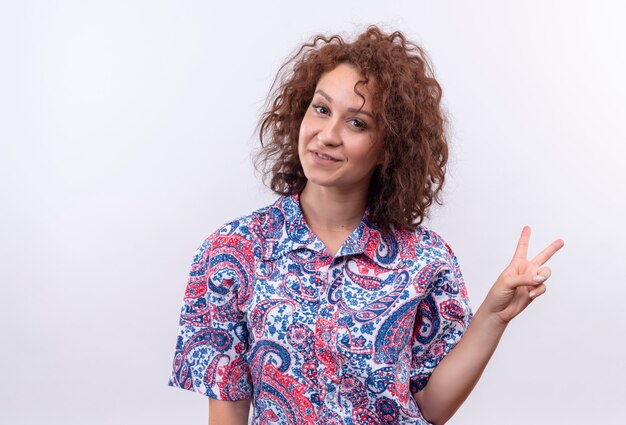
(329, 134)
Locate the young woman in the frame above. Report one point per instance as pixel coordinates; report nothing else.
(334, 305)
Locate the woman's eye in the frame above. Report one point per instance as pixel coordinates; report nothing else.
(361, 125)
(320, 109)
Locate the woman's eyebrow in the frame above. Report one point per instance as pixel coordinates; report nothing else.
(361, 111)
(323, 93)
(353, 110)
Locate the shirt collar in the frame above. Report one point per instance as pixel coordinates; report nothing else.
(286, 230)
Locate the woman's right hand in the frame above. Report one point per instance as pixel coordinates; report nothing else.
(521, 282)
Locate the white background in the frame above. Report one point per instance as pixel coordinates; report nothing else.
(126, 132)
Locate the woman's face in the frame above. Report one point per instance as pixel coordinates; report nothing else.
(338, 143)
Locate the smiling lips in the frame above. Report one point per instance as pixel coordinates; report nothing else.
(322, 156)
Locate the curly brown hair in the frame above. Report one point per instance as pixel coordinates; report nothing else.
(406, 101)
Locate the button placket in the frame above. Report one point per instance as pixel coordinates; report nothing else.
(335, 364)
(325, 333)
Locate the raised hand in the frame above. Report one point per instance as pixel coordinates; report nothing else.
(521, 282)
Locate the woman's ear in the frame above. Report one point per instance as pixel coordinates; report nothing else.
(382, 157)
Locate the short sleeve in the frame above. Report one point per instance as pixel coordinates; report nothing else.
(442, 317)
(210, 356)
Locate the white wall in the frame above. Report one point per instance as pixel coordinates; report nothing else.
(126, 129)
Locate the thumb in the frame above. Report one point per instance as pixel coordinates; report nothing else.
(513, 282)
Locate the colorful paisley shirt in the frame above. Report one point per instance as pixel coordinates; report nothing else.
(270, 316)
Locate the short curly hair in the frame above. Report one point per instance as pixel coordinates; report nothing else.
(406, 100)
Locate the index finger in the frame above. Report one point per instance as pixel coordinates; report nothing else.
(522, 245)
(548, 252)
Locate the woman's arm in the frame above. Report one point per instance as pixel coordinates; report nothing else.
(456, 375)
(228, 412)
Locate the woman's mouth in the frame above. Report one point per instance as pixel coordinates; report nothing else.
(324, 156)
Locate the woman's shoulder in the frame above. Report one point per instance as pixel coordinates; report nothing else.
(246, 230)
(426, 243)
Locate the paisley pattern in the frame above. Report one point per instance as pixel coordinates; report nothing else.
(270, 316)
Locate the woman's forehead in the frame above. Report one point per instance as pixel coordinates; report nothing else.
(346, 84)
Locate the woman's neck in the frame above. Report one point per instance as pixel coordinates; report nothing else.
(329, 210)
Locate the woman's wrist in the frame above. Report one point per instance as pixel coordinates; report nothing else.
(489, 322)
